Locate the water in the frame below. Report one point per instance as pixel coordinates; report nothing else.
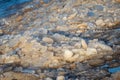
(9, 7)
(114, 70)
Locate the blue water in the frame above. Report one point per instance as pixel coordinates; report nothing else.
(8, 7)
(114, 70)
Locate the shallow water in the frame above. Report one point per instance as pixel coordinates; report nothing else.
(114, 70)
(9, 7)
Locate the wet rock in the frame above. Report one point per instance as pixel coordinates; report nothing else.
(72, 16)
(1, 32)
(67, 54)
(96, 62)
(116, 76)
(48, 40)
(30, 71)
(84, 44)
(48, 78)
(90, 14)
(101, 46)
(58, 38)
(108, 58)
(100, 22)
(18, 76)
(19, 18)
(91, 52)
(99, 7)
(60, 78)
(18, 69)
(77, 45)
(117, 1)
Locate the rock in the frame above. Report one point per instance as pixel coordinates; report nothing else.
(62, 28)
(30, 71)
(84, 44)
(100, 22)
(117, 1)
(1, 32)
(96, 62)
(108, 58)
(48, 40)
(99, 7)
(77, 45)
(60, 78)
(18, 76)
(81, 52)
(18, 69)
(72, 16)
(116, 76)
(58, 38)
(19, 18)
(91, 52)
(48, 78)
(101, 46)
(90, 14)
(67, 54)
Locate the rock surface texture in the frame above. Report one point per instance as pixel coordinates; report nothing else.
(61, 40)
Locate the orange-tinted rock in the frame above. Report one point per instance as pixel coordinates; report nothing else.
(19, 18)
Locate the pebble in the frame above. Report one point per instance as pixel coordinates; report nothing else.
(84, 44)
(90, 14)
(18, 69)
(48, 40)
(30, 71)
(99, 7)
(100, 22)
(72, 16)
(58, 38)
(19, 18)
(91, 52)
(96, 62)
(108, 58)
(48, 78)
(68, 54)
(60, 78)
(1, 32)
(116, 76)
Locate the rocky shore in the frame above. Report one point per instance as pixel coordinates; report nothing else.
(62, 40)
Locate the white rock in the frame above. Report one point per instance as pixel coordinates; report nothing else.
(91, 51)
(100, 22)
(81, 52)
(60, 78)
(68, 54)
(101, 46)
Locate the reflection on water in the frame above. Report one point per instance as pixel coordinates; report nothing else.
(8, 7)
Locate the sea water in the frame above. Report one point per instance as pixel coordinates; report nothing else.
(9, 7)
